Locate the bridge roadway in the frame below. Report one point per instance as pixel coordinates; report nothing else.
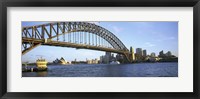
(49, 42)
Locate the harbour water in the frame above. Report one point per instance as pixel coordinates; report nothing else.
(166, 69)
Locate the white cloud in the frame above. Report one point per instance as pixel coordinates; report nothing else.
(148, 44)
(165, 39)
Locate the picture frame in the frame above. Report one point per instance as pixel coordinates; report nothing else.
(103, 3)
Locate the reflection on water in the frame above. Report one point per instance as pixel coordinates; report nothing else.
(108, 70)
(42, 74)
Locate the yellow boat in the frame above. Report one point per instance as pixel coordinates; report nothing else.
(41, 64)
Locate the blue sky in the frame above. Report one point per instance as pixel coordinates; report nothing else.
(152, 36)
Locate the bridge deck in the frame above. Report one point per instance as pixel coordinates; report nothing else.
(72, 45)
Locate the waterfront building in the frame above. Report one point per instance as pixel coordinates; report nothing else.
(169, 54)
(95, 61)
(101, 59)
(120, 58)
(92, 61)
(139, 51)
(61, 61)
(144, 53)
(107, 57)
(161, 54)
(139, 54)
(56, 61)
(152, 59)
(132, 53)
(113, 58)
(153, 54)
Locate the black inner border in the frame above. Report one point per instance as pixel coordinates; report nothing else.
(100, 3)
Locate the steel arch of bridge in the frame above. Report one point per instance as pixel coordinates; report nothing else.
(33, 36)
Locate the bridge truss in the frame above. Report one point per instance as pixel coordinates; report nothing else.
(80, 35)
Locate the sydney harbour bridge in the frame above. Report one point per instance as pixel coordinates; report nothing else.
(80, 35)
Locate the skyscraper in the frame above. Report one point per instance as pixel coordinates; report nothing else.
(139, 54)
(108, 57)
(139, 51)
(132, 53)
(144, 53)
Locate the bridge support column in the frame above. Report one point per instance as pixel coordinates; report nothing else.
(128, 57)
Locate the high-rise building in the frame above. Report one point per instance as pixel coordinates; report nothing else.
(113, 58)
(161, 54)
(120, 58)
(132, 53)
(144, 53)
(101, 59)
(108, 57)
(168, 54)
(153, 54)
(139, 51)
(138, 54)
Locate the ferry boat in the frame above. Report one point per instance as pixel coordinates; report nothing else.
(41, 64)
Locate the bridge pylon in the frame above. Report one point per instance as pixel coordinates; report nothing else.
(128, 57)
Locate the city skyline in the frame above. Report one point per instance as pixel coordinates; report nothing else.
(151, 36)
